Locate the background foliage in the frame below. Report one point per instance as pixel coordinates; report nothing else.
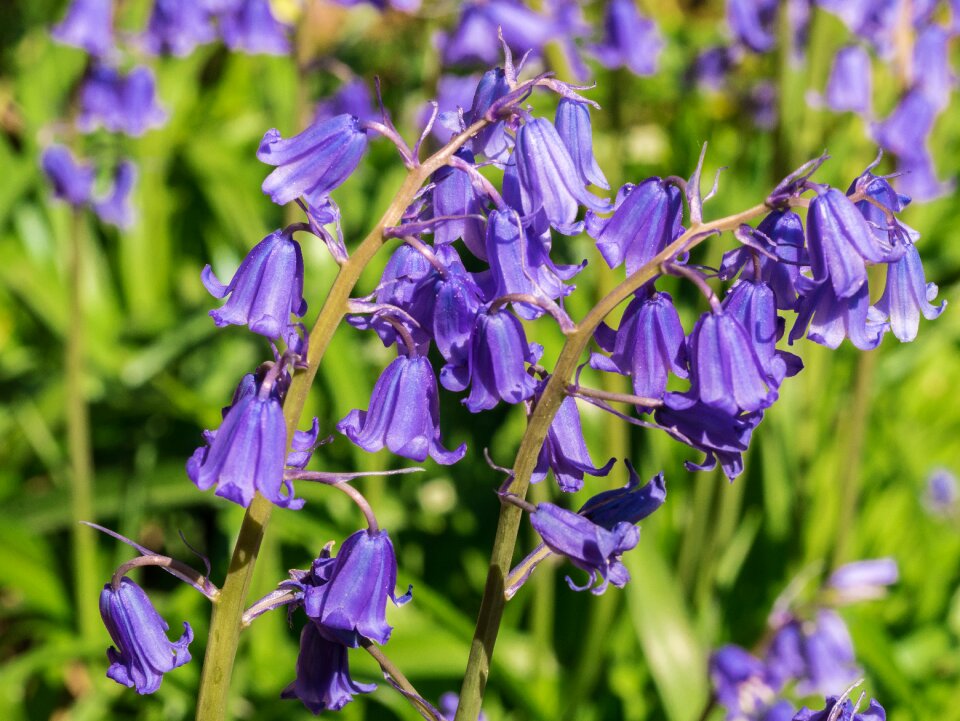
(836, 472)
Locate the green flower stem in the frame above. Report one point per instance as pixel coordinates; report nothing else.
(87, 585)
(227, 617)
(493, 602)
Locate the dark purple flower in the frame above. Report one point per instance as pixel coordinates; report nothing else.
(646, 218)
(88, 25)
(818, 653)
(840, 241)
(721, 436)
(549, 178)
(474, 40)
(456, 302)
(586, 545)
(573, 125)
(249, 26)
(265, 290)
(351, 98)
(115, 208)
(711, 67)
(849, 85)
(752, 23)
(742, 683)
(493, 141)
(449, 702)
(142, 652)
(905, 131)
(313, 163)
(874, 712)
(649, 344)
(629, 504)
(454, 195)
(565, 452)
(629, 39)
(907, 295)
(177, 27)
(247, 453)
(352, 604)
(120, 103)
(863, 580)
(323, 680)
(404, 414)
(831, 319)
(72, 182)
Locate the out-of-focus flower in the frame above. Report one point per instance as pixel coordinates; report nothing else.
(818, 653)
(72, 182)
(115, 208)
(88, 25)
(752, 23)
(448, 707)
(849, 86)
(863, 580)
(742, 683)
(847, 712)
(942, 492)
(120, 103)
(323, 680)
(351, 98)
(177, 27)
(474, 40)
(905, 131)
(931, 65)
(629, 39)
(249, 26)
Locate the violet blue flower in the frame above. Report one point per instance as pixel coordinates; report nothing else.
(712, 67)
(549, 178)
(457, 302)
(931, 65)
(573, 126)
(646, 218)
(177, 27)
(142, 652)
(942, 492)
(849, 85)
(493, 141)
(455, 195)
(88, 25)
(863, 580)
(586, 545)
(752, 23)
(872, 20)
(313, 163)
(351, 98)
(120, 103)
(449, 702)
(905, 131)
(649, 344)
(404, 414)
(629, 39)
(874, 712)
(907, 295)
(629, 504)
(115, 208)
(818, 653)
(72, 182)
(139, 108)
(352, 604)
(919, 177)
(266, 288)
(323, 680)
(742, 683)
(474, 40)
(565, 452)
(454, 95)
(831, 319)
(249, 26)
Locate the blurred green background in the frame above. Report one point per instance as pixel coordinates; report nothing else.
(836, 471)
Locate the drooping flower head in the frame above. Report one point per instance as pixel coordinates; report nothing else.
(323, 680)
(72, 182)
(115, 208)
(249, 26)
(474, 40)
(849, 86)
(142, 652)
(493, 141)
(862, 580)
(629, 504)
(120, 103)
(742, 683)
(907, 296)
(831, 319)
(818, 653)
(630, 40)
(574, 127)
(454, 195)
(88, 25)
(565, 452)
(177, 27)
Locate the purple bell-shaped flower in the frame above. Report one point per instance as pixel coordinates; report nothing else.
(457, 301)
(249, 26)
(454, 195)
(818, 653)
(573, 126)
(907, 295)
(742, 682)
(404, 414)
(493, 141)
(120, 103)
(629, 39)
(72, 182)
(142, 651)
(177, 27)
(88, 25)
(831, 319)
(323, 680)
(847, 712)
(313, 163)
(115, 208)
(565, 452)
(352, 604)
(849, 86)
(265, 290)
(752, 21)
(629, 504)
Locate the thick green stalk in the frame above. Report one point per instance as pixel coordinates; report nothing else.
(493, 601)
(87, 586)
(225, 622)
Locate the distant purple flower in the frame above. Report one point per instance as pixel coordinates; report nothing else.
(72, 182)
(849, 85)
(177, 27)
(249, 26)
(871, 20)
(646, 218)
(474, 40)
(120, 103)
(565, 452)
(352, 604)
(711, 67)
(88, 25)
(649, 344)
(404, 414)
(573, 125)
(752, 23)
(931, 65)
(761, 103)
(115, 208)
(742, 683)
(142, 652)
(905, 131)
(351, 98)
(454, 93)
(874, 712)
(919, 177)
(863, 580)
(628, 504)
(449, 702)
(907, 295)
(629, 39)
(266, 288)
(455, 195)
(831, 319)
(586, 545)
(323, 680)
(818, 653)
(313, 163)
(942, 492)
(549, 178)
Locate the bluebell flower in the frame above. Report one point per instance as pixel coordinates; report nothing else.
(831, 319)
(907, 295)
(142, 651)
(919, 177)
(630, 40)
(455, 195)
(586, 545)
(454, 94)
(72, 182)
(266, 288)
(862, 580)
(120, 103)
(648, 345)
(177, 27)
(872, 20)
(931, 65)
(88, 25)
(646, 218)
(742, 683)
(404, 414)
(629, 504)
(492, 141)
(247, 454)
(874, 712)
(249, 26)
(115, 208)
(565, 452)
(818, 653)
(752, 23)
(711, 67)
(449, 702)
(352, 603)
(323, 680)
(761, 104)
(573, 125)
(474, 40)
(351, 98)
(549, 178)
(139, 106)
(313, 163)
(905, 131)
(849, 86)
